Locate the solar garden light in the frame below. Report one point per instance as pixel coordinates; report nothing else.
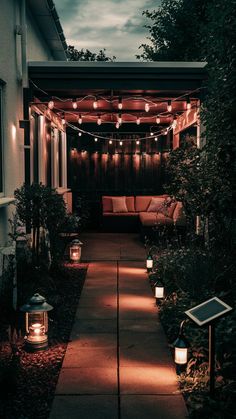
(75, 251)
(36, 323)
(149, 262)
(159, 289)
(181, 346)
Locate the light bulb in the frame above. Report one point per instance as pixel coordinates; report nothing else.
(147, 107)
(121, 142)
(99, 120)
(63, 121)
(120, 104)
(51, 104)
(80, 134)
(158, 120)
(95, 104)
(138, 121)
(110, 142)
(95, 139)
(120, 119)
(80, 119)
(137, 142)
(74, 104)
(169, 106)
(117, 125)
(151, 133)
(156, 139)
(189, 104)
(174, 123)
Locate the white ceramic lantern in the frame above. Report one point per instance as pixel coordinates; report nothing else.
(36, 323)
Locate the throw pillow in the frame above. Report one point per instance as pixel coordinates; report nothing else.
(155, 204)
(167, 208)
(119, 204)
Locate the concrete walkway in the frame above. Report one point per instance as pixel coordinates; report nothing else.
(118, 364)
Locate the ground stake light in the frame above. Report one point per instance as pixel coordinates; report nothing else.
(181, 348)
(36, 323)
(159, 290)
(149, 263)
(75, 251)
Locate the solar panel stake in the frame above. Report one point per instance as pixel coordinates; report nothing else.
(212, 358)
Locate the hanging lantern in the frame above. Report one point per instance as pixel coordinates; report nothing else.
(36, 323)
(149, 263)
(159, 290)
(181, 347)
(75, 251)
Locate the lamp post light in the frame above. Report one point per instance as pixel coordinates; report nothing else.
(181, 346)
(149, 263)
(75, 251)
(36, 323)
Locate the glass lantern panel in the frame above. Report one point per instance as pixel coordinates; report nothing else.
(149, 263)
(159, 292)
(181, 355)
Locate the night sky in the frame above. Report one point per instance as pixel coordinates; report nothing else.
(116, 25)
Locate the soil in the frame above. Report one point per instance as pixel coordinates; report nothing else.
(28, 380)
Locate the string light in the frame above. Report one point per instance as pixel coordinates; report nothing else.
(63, 121)
(151, 133)
(117, 125)
(121, 142)
(147, 107)
(189, 103)
(80, 120)
(169, 106)
(137, 142)
(156, 139)
(99, 121)
(74, 104)
(158, 120)
(110, 142)
(174, 123)
(120, 104)
(80, 134)
(95, 139)
(51, 104)
(120, 119)
(138, 121)
(95, 104)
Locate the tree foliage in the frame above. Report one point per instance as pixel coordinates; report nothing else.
(86, 55)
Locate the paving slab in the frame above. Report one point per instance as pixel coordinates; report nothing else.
(89, 357)
(85, 407)
(93, 340)
(98, 301)
(141, 326)
(96, 313)
(95, 326)
(143, 407)
(87, 381)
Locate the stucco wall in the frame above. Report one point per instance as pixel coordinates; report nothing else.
(37, 49)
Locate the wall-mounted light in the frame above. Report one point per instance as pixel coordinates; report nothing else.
(63, 120)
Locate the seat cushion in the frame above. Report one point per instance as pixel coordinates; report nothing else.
(150, 219)
(108, 207)
(142, 202)
(121, 214)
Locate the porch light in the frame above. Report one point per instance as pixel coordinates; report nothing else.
(99, 120)
(95, 103)
(120, 119)
(159, 289)
(51, 104)
(75, 251)
(169, 106)
(181, 347)
(36, 323)
(138, 121)
(189, 103)
(74, 104)
(158, 120)
(149, 263)
(147, 107)
(80, 120)
(120, 104)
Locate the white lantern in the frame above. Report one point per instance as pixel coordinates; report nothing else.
(181, 347)
(75, 251)
(149, 263)
(159, 290)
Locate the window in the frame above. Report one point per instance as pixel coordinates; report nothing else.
(1, 143)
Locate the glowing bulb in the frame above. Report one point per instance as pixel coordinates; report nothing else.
(169, 106)
(158, 120)
(95, 139)
(120, 119)
(189, 104)
(156, 139)
(80, 120)
(165, 132)
(174, 123)
(121, 142)
(74, 104)
(137, 142)
(120, 104)
(110, 142)
(99, 121)
(147, 107)
(138, 121)
(151, 133)
(63, 121)
(95, 104)
(117, 125)
(51, 104)
(80, 134)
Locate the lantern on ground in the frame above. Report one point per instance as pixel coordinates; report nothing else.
(75, 251)
(181, 348)
(149, 263)
(36, 323)
(159, 290)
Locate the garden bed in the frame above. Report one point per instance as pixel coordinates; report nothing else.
(28, 380)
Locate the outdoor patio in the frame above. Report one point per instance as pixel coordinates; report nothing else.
(118, 363)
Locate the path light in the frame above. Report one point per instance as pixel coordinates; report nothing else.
(75, 251)
(181, 346)
(159, 289)
(149, 263)
(36, 323)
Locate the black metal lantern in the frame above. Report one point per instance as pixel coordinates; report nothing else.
(181, 346)
(36, 323)
(75, 251)
(149, 263)
(159, 289)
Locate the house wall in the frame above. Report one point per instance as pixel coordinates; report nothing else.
(37, 49)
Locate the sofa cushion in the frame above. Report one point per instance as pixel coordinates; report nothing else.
(108, 207)
(155, 204)
(142, 202)
(120, 214)
(150, 219)
(119, 204)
